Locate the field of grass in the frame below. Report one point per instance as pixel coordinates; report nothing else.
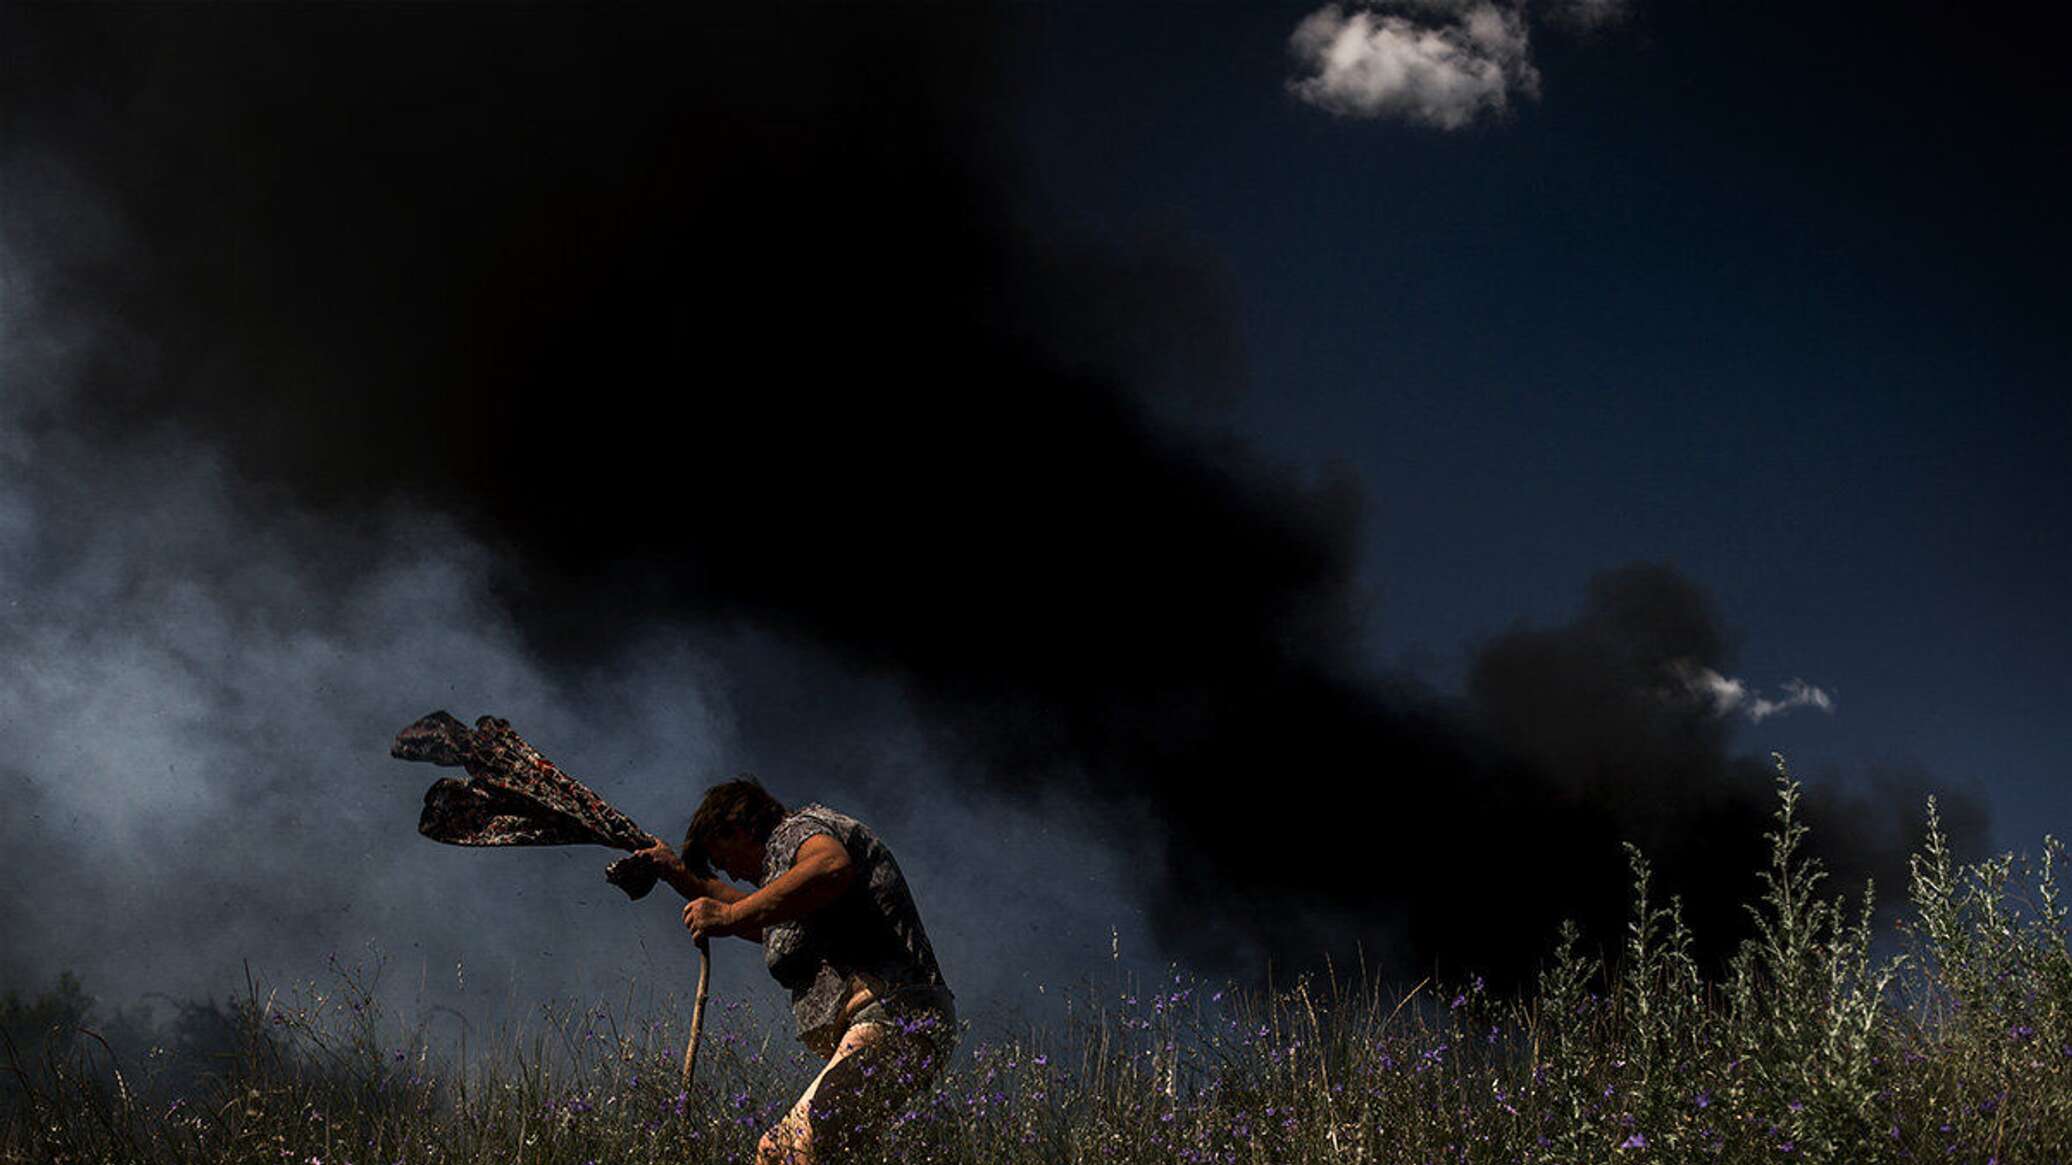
(1807, 1049)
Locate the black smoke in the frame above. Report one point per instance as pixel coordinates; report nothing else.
(745, 322)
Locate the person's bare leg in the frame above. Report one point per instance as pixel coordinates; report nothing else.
(840, 1105)
(791, 1141)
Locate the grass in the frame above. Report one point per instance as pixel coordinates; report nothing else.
(1805, 1049)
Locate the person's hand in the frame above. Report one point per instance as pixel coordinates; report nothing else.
(660, 856)
(707, 917)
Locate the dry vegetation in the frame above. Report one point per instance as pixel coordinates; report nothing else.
(1807, 1049)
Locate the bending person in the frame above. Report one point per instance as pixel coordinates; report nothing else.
(840, 931)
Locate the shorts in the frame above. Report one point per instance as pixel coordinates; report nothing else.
(927, 1012)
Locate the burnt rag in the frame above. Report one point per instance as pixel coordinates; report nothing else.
(515, 796)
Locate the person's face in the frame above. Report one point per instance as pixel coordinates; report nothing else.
(739, 857)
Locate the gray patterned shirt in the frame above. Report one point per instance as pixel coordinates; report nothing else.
(872, 932)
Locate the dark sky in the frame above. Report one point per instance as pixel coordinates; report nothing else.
(1776, 297)
(1261, 479)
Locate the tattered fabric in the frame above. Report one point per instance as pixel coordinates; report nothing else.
(515, 796)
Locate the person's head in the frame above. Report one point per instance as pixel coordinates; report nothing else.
(730, 827)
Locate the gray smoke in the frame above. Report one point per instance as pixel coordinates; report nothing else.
(201, 678)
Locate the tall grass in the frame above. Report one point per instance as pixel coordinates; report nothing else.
(1808, 1048)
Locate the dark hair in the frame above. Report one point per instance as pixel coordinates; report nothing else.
(741, 805)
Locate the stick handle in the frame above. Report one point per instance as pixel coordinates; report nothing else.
(690, 1052)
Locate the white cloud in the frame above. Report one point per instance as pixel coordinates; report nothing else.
(1797, 694)
(1727, 696)
(1723, 694)
(1441, 63)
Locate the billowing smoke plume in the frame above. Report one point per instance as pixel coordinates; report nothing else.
(689, 389)
(252, 521)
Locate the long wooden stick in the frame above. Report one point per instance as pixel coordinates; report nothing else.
(690, 1052)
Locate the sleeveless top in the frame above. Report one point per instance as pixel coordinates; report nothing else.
(872, 932)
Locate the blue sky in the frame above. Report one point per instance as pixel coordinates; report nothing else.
(1776, 298)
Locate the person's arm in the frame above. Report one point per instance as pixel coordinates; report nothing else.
(679, 877)
(819, 874)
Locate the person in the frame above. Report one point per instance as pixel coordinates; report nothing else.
(840, 931)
